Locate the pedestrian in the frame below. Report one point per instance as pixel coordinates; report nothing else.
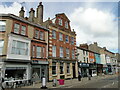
(79, 76)
(1, 83)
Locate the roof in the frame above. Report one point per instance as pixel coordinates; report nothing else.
(59, 14)
(23, 20)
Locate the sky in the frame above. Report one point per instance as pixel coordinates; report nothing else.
(93, 21)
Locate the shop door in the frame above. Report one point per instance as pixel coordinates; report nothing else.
(74, 73)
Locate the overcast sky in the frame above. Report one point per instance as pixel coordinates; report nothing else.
(92, 21)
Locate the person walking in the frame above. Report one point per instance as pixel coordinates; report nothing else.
(1, 83)
(79, 76)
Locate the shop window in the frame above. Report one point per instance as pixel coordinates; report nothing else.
(19, 48)
(54, 51)
(1, 46)
(61, 68)
(2, 25)
(53, 34)
(53, 68)
(36, 73)
(68, 67)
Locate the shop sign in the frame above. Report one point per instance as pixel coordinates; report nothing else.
(84, 65)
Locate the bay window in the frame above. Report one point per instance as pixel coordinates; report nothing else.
(19, 48)
(73, 54)
(67, 53)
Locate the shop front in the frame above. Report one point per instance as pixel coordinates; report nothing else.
(93, 69)
(99, 69)
(39, 70)
(15, 71)
(84, 69)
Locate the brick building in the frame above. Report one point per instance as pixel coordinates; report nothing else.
(62, 48)
(23, 46)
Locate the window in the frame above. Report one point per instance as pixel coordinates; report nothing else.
(83, 52)
(54, 51)
(2, 25)
(1, 46)
(53, 68)
(72, 40)
(67, 53)
(67, 39)
(33, 51)
(66, 24)
(68, 67)
(60, 21)
(41, 35)
(61, 68)
(84, 59)
(54, 34)
(38, 53)
(86, 53)
(36, 34)
(73, 54)
(16, 28)
(87, 60)
(23, 30)
(60, 36)
(61, 51)
(19, 48)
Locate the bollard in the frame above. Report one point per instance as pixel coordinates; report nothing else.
(14, 86)
(43, 83)
(54, 82)
(89, 77)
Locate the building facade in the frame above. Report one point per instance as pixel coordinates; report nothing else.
(62, 48)
(23, 46)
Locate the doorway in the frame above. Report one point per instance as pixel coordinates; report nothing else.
(74, 71)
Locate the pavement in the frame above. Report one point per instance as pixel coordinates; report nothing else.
(70, 82)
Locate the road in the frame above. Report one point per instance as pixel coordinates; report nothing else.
(111, 82)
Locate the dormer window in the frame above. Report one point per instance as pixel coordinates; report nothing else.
(60, 21)
(66, 24)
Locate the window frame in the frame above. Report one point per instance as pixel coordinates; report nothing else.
(60, 36)
(53, 51)
(3, 27)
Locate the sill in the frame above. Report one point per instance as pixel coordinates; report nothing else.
(54, 75)
(62, 74)
(2, 31)
(68, 74)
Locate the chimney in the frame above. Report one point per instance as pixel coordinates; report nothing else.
(95, 43)
(21, 12)
(40, 13)
(31, 15)
(104, 48)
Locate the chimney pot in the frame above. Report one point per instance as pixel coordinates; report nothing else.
(21, 12)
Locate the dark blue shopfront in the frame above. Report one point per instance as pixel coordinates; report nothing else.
(84, 69)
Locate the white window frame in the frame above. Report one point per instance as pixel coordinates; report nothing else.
(54, 51)
(67, 39)
(16, 28)
(41, 35)
(67, 53)
(2, 25)
(66, 24)
(60, 36)
(61, 51)
(1, 46)
(23, 30)
(53, 34)
(19, 50)
(60, 22)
